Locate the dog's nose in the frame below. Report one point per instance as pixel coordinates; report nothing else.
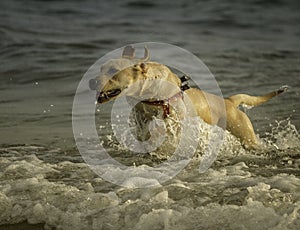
(93, 84)
(102, 97)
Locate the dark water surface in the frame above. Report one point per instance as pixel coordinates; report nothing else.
(46, 47)
(250, 46)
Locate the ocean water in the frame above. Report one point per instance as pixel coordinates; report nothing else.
(46, 47)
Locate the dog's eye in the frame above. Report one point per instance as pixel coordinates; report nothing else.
(112, 71)
(143, 65)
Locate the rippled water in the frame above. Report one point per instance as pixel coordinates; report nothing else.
(45, 49)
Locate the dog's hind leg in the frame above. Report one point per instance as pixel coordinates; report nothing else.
(248, 100)
(240, 126)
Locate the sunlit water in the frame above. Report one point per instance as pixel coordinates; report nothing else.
(47, 47)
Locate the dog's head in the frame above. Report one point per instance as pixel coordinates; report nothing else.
(109, 69)
(119, 74)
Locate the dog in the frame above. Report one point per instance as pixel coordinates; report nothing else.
(146, 81)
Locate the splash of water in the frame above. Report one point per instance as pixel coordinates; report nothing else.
(283, 135)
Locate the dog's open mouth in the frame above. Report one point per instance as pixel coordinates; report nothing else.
(106, 96)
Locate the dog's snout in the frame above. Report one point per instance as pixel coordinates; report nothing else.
(93, 84)
(102, 97)
(106, 96)
(100, 100)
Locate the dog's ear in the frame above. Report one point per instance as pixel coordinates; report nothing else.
(128, 52)
(146, 55)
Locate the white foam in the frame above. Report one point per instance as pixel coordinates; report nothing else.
(242, 190)
(134, 182)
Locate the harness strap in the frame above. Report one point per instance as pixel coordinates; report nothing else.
(165, 103)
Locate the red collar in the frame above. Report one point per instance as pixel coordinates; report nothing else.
(165, 103)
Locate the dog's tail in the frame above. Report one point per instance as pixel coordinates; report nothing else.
(244, 99)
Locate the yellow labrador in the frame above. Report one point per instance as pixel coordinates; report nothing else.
(140, 75)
